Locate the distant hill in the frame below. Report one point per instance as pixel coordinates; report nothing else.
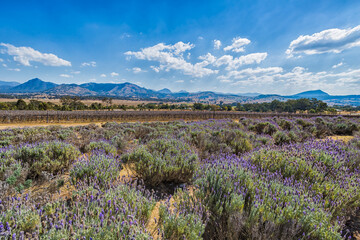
(10, 84)
(70, 89)
(133, 91)
(165, 90)
(32, 86)
(5, 86)
(249, 94)
(121, 89)
(312, 94)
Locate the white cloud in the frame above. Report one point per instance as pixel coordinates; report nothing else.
(114, 74)
(328, 41)
(171, 57)
(179, 81)
(92, 79)
(125, 35)
(88, 64)
(75, 72)
(1, 60)
(14, 69)
(103, 75)
(207, 59)
(338, 65)
(249, 74)
(156, 69)
(234, 63)
(298, 79)
(137, 70)
(5, 65)
(25, 55)
(217, 44)
(231, 62)
(65, 75)
(238, 44)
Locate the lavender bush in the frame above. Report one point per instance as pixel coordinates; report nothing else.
(274, 178)
(99, 165)
(163, 160)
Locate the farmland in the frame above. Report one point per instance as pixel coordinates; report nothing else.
(254, 176)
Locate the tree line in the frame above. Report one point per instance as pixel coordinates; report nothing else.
(74, 103)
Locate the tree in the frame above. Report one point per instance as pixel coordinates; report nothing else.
(21, 104)
(108, 102)
(198, 106)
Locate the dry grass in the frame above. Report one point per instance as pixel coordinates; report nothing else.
(22, 125)
(345, 139)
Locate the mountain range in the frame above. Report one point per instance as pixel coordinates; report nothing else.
(132, 91)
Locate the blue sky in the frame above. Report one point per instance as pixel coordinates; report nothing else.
(280, 47)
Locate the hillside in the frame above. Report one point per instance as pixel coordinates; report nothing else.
(32, 86)
(312, 94)
(70, 89)
(133, 91)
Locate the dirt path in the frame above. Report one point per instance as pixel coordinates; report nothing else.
(74, 124)
(22, 125)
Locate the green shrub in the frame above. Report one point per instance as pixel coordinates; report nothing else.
(184, 221)
(285, 125)
(344, 128)
(105, 168)
(293, 137)
(303, 122)
(281, 138)
(51, 157)
(263, 128)
(101, 146)
(120, 212)
(119, 142)
(241, 146)
(162, 161)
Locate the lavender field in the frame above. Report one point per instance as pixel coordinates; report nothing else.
(270, 178)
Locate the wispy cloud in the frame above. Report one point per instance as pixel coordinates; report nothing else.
(25, 55)
(65, 75)
(338, 65)
(14, 69)
(88, 64)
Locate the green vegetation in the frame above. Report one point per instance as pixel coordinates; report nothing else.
(272, 178)
(74, 103)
